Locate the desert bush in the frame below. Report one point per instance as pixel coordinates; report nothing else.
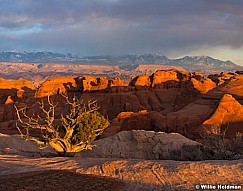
(193, 153)
(224, 147)
(76, 131)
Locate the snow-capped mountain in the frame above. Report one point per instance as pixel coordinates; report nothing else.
(33, 57)
(206, 60)
(129, 59)
(204, 64)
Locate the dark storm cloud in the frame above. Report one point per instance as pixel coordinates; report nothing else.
(120, 26)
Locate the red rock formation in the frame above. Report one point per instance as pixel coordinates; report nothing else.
(234, 86)
(222, 77)
(188, 119)
(197, 75)
(135, 121)
(158, 121)
(165, 95)
(163, 76)
(141, 120)
(56, 85)
(18, 89)
(112, 103)
(228, 116)
(62, 85)
(116, 82)
(90, 83)
(17, 84)
(9, 100)
(203, 86)
(142, 80)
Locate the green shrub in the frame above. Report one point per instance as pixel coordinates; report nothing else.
(76, 132)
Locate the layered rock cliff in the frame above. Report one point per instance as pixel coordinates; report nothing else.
(167, 100)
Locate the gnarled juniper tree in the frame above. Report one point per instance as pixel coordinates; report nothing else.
(76, 132)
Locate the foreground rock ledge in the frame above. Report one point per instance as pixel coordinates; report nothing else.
(135, 144)
(137, 175)
(140, 144)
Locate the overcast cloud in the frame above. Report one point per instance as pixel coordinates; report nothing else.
(95, 27)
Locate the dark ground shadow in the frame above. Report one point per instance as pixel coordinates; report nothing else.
(60, 180)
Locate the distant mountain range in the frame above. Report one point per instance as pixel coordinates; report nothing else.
(36, 57)
(204, 64)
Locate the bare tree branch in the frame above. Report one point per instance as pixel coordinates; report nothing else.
(81, 125)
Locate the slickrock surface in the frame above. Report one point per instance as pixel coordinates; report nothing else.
(23, 173)
(22, 168)
(14, 144)
(149, 145)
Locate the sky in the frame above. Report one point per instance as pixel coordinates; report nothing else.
(174, 28)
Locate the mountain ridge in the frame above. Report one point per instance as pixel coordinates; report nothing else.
(42, 56)
(127, 62)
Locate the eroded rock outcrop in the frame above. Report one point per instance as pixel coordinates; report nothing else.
(116, 82)
(142, 80)
(14, 144)
(141, 120)
(18, 89)
(227, 117)
(17, 84)
(9, 100)
(233, 86)
(90, 83)
(222, 77)
(149, 145)
(56, 85)
(167, 79)
(187, 120)
(166, 95)
(112, 104)
(203, 86)
(162, 76)
(134, 121)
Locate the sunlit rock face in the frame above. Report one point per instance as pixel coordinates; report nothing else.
(56, 85)
(233, 85)
(20, 89)
(170, 100)
(142, 80)
(222, 77)
(228, 117)
(203, 86)
(18, 84)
